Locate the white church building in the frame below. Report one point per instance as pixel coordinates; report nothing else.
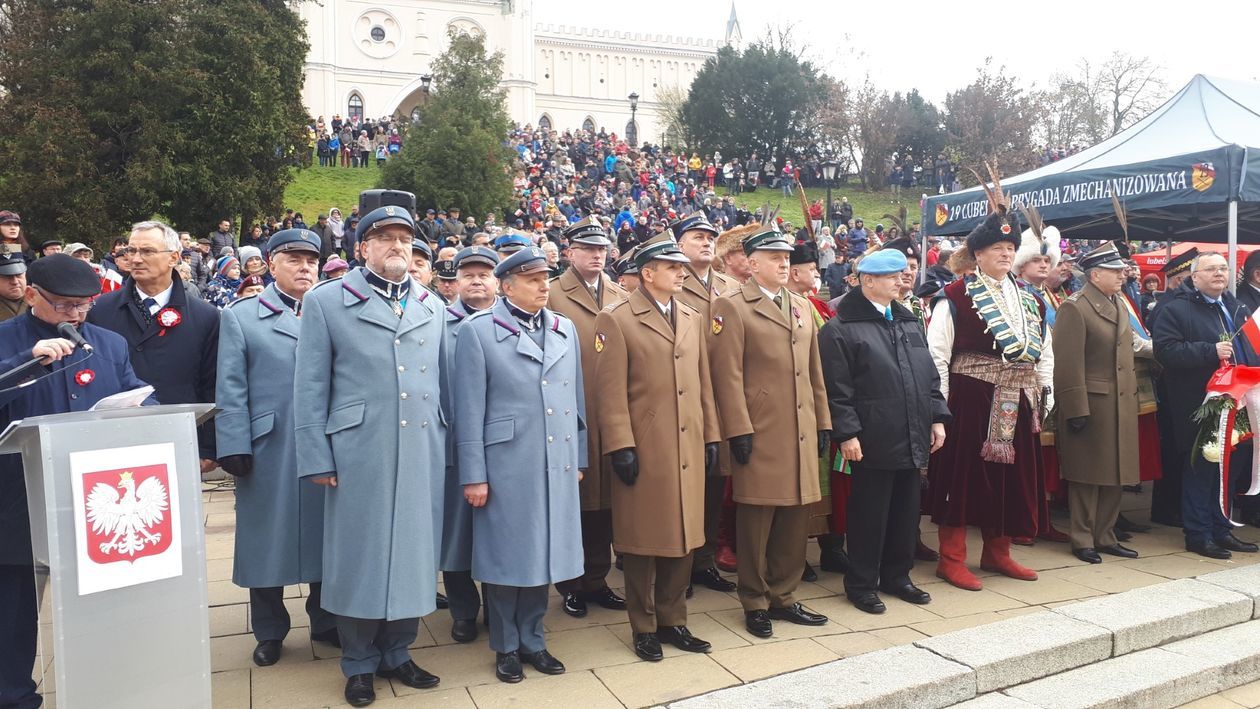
(372, 58)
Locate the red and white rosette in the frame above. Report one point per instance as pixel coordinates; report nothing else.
(84, 377)
(168, 318)
(1241, 386)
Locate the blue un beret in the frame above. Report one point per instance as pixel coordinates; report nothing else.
(512, 242)
(882, 263)
(384, 216)
(294, 240)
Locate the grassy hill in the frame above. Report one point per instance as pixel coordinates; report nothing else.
(315, 190)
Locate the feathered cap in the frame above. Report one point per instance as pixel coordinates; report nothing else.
(1001, 224)
(1037, 240)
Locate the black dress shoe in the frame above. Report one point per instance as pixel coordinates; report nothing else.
(410, 674)
(1125, 524)
(507, 667)
(464, 631)
(710, 578)
(543, 662)
(836, 561)
(574, 605)
(359, 692)
(1117, 550)
(1209, 549)
(1088, 555)
(1121, 535)
(648, 647)
(909, 593)
(758, 623)
(442, 603)
(1232, 543)
(868, 602)
(809, 575)
(329, 636)
(923, 552)
(607, 598)
(691, 590)
(267, 653)
(681, 638)
(796, 613)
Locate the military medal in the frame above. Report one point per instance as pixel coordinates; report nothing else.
(600, 338)
(84, 377)
(796, 313)
(717, 324)
(167, 318)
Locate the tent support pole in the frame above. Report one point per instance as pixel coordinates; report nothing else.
(1233, 244)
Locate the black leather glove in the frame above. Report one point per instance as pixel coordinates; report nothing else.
(238, 466)
(626, 465)
(824, 442)
(710, 459)
(741, 448)
(1078, 424)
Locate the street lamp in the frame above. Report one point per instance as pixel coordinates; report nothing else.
(829, 175)
(425, 80)
(632, 131)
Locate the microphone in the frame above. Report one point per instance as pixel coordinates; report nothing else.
(71, 333)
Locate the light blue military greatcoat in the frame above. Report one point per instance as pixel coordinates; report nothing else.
(519, 426)
(457, 518)
(279, 518)
(368, 409)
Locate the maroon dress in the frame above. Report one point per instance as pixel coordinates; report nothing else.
(963, 488)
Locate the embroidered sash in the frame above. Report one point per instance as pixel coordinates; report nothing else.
(1012, 347)
(1009, 380)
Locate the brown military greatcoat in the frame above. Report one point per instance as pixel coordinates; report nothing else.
(768, 382)
(571, 298)
(1094, 377)
(649, 398)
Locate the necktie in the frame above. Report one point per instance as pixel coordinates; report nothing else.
(888, 313)
(146, 309)
(778, 301)
(1229, 322)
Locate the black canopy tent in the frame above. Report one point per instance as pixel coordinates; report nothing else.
(1189, 171)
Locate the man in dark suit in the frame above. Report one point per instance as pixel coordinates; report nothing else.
(1195, 333)
(60, 291)
(173, 341)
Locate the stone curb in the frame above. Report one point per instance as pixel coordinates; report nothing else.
(1023, 649)
(1153, 615)
(1244, 580)
(893, 678)
(1234, 653)
(1148, 679)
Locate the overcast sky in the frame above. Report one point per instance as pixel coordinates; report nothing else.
(1033, 39)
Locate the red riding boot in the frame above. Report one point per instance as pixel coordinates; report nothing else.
(953, 564)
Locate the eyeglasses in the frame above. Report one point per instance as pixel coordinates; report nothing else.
(404, 239)
(66, 307)
(144, 252)
(1215, 269)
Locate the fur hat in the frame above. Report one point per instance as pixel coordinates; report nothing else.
(997, 227)
(1031, 247)
(733, 239)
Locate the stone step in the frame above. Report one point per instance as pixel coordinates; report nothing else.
(1156, 646)
(1166, 676)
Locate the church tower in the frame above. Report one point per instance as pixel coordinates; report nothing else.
(734, 38)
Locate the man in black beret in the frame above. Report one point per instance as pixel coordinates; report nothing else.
(60, 290)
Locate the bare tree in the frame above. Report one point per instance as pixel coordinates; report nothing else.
(991, 120)
(673, 127)
(1132, 87)
(1073, 111)
(876, 119)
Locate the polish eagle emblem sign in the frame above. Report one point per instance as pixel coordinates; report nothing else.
(127, 513)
